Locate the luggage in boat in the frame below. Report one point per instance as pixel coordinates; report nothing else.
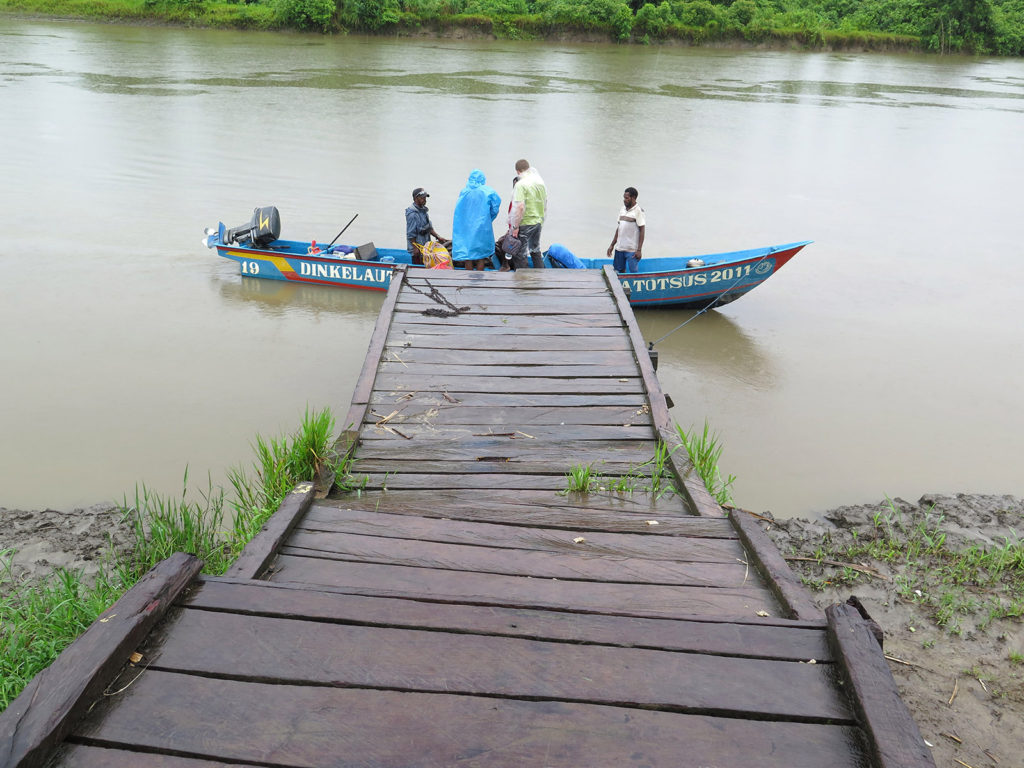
(367, 252)
(511, 245)
(435, 255)
(563, 257)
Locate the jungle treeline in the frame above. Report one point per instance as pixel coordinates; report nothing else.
(939, 26)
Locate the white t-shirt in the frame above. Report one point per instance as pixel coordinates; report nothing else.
(629, 228)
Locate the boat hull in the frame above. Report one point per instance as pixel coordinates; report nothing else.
(664, 282)
(710, 285)
(312, 270)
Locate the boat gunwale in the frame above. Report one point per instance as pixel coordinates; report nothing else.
(786, 251)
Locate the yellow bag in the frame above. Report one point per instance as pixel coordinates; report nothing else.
(435, 255)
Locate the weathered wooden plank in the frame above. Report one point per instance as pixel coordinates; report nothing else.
(556, 323)
(637, 475)
(689, 481)
(473, 368)
(487, 482)
(794, 641)
(650, 378)
(537, 433)
(520, 282)
(895, 741)
(261, 549)
(515, 326)
(621, 478)
(524, 592)
(614, 513)
(515, 304)
(580, 563)
(595, 453)
(378, 340)
(681, 548)
(341, 728)
(83, 756)
(457, 413)
(508, 294)
(534, 343)
(392, 382)
(677, 462)
(512, 302)
(296, 652)
(788, 589)
(499, 356)
(509, 399)
(49, 706)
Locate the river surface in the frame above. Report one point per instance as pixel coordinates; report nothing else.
(886, 359)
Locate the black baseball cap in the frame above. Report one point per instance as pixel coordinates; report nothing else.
(420, 191)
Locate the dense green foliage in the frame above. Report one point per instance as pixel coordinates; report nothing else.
(993, 26)
(941, 26)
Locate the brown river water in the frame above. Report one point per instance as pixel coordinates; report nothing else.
(885, 359)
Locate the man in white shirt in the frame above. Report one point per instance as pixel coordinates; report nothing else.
(628, 242)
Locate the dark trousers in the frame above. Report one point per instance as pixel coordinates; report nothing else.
(529, 236)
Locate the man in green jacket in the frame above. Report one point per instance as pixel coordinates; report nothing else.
(529, 209)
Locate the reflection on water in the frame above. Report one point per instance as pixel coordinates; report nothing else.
(710, 345)
(825, 93)
(279, 297)
(143, 62)
(501, 85)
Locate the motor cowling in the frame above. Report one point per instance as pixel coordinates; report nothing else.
(264, 228)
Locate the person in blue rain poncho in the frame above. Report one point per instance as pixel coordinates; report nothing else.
(472, 233)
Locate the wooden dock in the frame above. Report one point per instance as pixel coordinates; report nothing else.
(455, 605)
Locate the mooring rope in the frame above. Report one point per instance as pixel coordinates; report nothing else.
(650, 344)
(437, 296)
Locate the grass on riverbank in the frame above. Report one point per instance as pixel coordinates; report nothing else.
(653, 475)
(705, 451)
(38, 621)
(983, 583)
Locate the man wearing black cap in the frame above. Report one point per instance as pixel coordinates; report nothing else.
(418, 228)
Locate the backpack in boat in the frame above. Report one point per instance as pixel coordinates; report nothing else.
(511, 244)
(435, 255)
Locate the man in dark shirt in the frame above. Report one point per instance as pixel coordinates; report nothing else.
(418, 227)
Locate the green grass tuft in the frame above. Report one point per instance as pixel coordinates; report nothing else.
(38, 621)
(705, 451)
(582, 479)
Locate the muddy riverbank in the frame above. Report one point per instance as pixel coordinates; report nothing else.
(35, 543)
(963, 681)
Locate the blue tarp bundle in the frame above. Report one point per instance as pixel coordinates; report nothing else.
(565, 257)
(476, 208)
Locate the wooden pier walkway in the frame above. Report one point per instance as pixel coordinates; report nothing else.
(457, 607)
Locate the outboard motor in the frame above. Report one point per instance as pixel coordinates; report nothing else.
(264, 228)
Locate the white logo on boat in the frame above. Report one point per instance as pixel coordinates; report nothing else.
(346, 272)
(763, 267)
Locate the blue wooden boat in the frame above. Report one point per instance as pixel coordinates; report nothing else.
(686, 282)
